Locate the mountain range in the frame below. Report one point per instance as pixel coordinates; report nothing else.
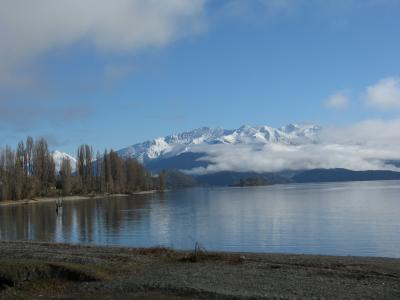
(217, 156)
(184, 150)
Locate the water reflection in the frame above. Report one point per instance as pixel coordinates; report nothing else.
(335, 218)
(89, 221)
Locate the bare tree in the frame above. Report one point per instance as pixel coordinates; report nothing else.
(43, 167)
(66, 176)
(30, 171)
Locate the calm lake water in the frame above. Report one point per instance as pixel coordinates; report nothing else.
(358, 218)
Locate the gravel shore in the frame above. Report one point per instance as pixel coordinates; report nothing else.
(57, 271)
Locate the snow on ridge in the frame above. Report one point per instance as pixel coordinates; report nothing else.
(58, 157)
(175, 144)
(291, 134)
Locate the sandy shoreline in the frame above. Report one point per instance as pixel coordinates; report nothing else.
(48, 271)
(69, 198)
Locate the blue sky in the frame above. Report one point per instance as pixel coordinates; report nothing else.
(208, 63)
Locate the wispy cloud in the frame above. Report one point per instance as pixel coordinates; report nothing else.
(29, 29)
(24, 114)
(338, 100)
(385, 94)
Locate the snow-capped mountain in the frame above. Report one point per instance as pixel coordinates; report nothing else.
(173, 145)
(258, 149)
(58, 158)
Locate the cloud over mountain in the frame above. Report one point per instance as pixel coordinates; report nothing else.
(364, 146)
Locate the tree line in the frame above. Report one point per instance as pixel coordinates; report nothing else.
(30, 171)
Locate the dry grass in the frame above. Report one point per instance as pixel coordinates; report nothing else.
(199, 254)
(15, 272)
(20, 279)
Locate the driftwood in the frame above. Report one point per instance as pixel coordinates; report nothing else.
(200, 253)
(199, 250)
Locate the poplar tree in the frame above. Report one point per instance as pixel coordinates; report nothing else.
(65, 176)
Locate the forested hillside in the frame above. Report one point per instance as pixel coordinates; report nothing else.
(29, 171)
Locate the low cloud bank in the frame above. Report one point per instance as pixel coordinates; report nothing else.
(364, 146)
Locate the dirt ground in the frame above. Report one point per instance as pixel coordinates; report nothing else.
(57, 271)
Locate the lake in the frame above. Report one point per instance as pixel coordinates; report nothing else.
(356, 218)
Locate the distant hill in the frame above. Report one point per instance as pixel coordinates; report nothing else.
(252, 181)
(175, 180)
(179, 162)
(227, 178)
(331, 175)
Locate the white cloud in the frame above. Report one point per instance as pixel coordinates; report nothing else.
(364, 146)
(385, 94)
(338, 100)
(30, 28)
